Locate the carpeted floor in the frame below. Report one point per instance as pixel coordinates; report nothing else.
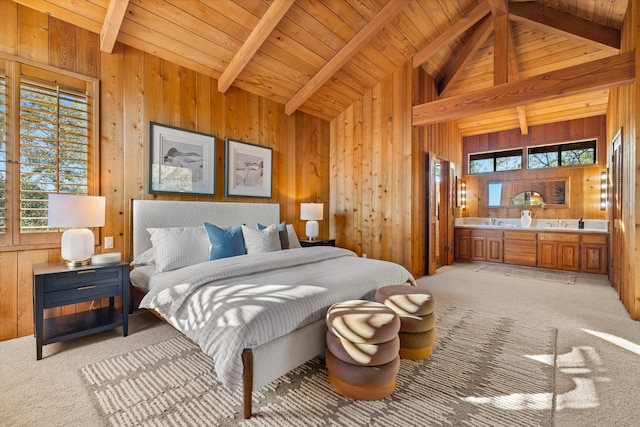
(556, 276)
(596, 376)
(484, 371)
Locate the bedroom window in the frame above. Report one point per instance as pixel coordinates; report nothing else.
(567, 154)
(48, 146)
(497, 161)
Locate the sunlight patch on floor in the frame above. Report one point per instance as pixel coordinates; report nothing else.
(578, 364)
(620, 342)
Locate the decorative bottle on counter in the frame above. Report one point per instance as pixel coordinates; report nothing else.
(525, 219)
(581, 224)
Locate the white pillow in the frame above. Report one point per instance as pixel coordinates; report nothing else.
(293, 238)
(179, 247)
(258, 241)
(145, 258)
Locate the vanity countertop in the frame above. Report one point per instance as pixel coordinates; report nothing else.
(543, 229)
(538, 225)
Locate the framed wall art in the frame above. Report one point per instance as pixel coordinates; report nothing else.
(181, 161)
(249, 169)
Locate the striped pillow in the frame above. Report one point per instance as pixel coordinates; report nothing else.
(178, 247)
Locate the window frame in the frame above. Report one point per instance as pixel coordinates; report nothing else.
(495, 155)
(558, 148)
(14, 69)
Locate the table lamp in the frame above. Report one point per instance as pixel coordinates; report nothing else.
(311, 212)
(76, 213)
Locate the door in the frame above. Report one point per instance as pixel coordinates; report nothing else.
(439, 213)
(615, 178)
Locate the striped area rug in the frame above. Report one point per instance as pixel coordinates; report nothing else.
(480, 374)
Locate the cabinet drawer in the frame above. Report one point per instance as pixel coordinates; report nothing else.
(76, 279)
(81, 293)
(520, 235)
(594, 238)
(559, 237)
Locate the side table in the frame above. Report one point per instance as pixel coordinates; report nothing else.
(305, 243)
(56, 285)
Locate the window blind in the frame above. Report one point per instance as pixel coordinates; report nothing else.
(54, 148)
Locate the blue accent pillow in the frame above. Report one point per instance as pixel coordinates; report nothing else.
(225, 243)
(282, 233)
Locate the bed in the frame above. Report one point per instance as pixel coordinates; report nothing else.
(257, 315)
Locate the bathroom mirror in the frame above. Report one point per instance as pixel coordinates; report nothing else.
(552, 192)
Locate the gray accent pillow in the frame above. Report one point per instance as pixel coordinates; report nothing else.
(259, 241)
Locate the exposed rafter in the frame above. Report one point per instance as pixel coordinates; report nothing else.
(112, 22)
(474, 43)
(269, 20)
(505, 59)
(459, 27)
(570, 25)
(514, 75)
(390, 11)
(595, 75)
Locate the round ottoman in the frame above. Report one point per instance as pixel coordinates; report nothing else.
(362, 349)
(415, 308)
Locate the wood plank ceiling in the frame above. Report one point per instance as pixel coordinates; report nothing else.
(319, 56)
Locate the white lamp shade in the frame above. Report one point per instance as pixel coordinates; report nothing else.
(73, 211)
(76, 213)
(311, 211)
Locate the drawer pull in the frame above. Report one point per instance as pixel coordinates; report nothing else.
(84, 288)
(86, 271)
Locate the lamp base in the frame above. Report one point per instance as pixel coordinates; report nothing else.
(312, 229)
(78, 263)
(77, 247)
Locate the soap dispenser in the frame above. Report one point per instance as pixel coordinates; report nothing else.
(581, 224)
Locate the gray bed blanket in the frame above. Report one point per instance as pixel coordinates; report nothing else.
(243, 302)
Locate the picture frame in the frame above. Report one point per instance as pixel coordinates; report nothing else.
(181, 161)
(249, 169)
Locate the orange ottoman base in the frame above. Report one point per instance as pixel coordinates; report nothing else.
(362, 393)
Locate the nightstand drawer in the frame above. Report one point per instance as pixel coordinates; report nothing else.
(81, 293)
(76, 279)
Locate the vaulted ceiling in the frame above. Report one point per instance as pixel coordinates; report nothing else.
(319, 56)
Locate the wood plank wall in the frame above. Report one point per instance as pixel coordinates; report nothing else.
(378, 170)
(137, 88)
(584, 192)
(623, 115)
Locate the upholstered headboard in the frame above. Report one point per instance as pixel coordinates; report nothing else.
(173, 213)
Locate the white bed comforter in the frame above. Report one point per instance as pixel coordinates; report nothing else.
(243, 302)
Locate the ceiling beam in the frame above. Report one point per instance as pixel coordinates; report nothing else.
(500, 48)
(265, 26)
(112, 23)
(390, 11)
(459, 27)
(514, 75)
(600, 74)
(475, 42)
(567, 24)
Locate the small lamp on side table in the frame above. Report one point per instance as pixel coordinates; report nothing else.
(76, 213)
(312, 213)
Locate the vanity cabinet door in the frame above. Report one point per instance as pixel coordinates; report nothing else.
(463, 244)
(547, 254)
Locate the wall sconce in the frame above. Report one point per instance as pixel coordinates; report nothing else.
(76, 213)
(603, 190)
(463, 195)
(312, 213)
